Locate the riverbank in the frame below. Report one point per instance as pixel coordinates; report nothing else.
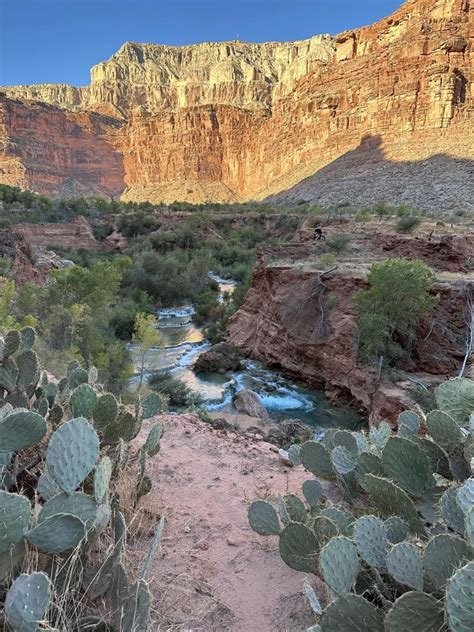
(182, 341)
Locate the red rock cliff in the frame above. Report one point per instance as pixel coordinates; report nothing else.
(379, 113)
(290, 321)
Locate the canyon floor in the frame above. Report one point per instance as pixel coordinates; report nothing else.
(212, 571)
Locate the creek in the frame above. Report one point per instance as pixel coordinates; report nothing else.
(183, 341)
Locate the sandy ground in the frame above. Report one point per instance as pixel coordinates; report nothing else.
(213, 572)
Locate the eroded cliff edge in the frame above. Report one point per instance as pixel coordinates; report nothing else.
(380, 113)
(305, 324)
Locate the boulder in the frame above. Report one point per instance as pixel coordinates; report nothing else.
(220, 358)
(249, 403)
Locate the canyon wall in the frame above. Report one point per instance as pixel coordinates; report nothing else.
(384, 112)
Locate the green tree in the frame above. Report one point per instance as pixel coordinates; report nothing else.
(390, 310)
(146, 336)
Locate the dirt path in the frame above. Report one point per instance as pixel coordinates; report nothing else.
(213, 572)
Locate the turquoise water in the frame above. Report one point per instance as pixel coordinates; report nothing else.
(183, 341)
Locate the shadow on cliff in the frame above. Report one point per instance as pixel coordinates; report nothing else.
(364, 176)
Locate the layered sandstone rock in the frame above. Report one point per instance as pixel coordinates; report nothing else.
(379, 113)
(291, 321)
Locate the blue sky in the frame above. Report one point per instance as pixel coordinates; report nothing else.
(57, 41)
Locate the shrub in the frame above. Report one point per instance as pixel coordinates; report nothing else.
(397, 553)
(408, 223)
(390, 310)
(179, 395)
(338, 243)
(327, 260)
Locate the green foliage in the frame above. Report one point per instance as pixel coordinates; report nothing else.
(389, 563)
(408, 223)
(62, 516)
(177, 393)
(390, 310)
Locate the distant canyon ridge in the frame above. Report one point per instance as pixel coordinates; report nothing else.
(382, 113)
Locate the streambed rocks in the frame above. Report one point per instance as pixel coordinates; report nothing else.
(220, 358)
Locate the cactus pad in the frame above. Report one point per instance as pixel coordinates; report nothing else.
(324, 529)
(339, 564)
(57, 533)
(368, 464)
(28, 338)
(415, 611)
(469, 524)
(392, 500)
(295, 508)
(77, 376)
(450, 510)
(456, 397)
(294, 454)
(436, 455)
(102, 475)
(105, 411)
(444, 430)
(15, 513)
(347, 440)
(380, 435)
(404, 563)
(11, 560)
(340, 517)
(361, 440)
(299, 547)
(351, 612)
(135, 609)
(47, 486)
(312, 491)
(82, 401)
(8, 374)
(72, 453)
(93, 375)
(312, 598)
(315, 458)
(78, 504)
(396, 528)
(26, 601)
(21, 429)
(28, 369)
(371, 539)
(343, 460)
(11, 343)
(285, 518)
(408, 424)
(263, 518)
(406, 464)
(151, 405)
(465, 495)
(443, 555)
(152, 443)
(459, 601)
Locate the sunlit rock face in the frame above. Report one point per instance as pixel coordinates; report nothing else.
(379, 113)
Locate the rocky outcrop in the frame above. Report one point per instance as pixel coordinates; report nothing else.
(379, 113)
(249, 403)
(74, 234)
(220, 358)
(293, 321)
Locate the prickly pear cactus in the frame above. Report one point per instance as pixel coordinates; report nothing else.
(263, 518)
(339, 564)
(72, 453)
(26, 601)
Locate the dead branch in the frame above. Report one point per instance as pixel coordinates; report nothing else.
(470, 331)
(320, 293)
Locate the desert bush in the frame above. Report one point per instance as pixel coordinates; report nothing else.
(408, 223)
(62, 446)
(177, 393)
(390, 310)
(338, 243)
(397, 553)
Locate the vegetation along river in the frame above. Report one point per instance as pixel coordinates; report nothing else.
(182, 342)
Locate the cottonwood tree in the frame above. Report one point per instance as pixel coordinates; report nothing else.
(145, 336)
(393, 306)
